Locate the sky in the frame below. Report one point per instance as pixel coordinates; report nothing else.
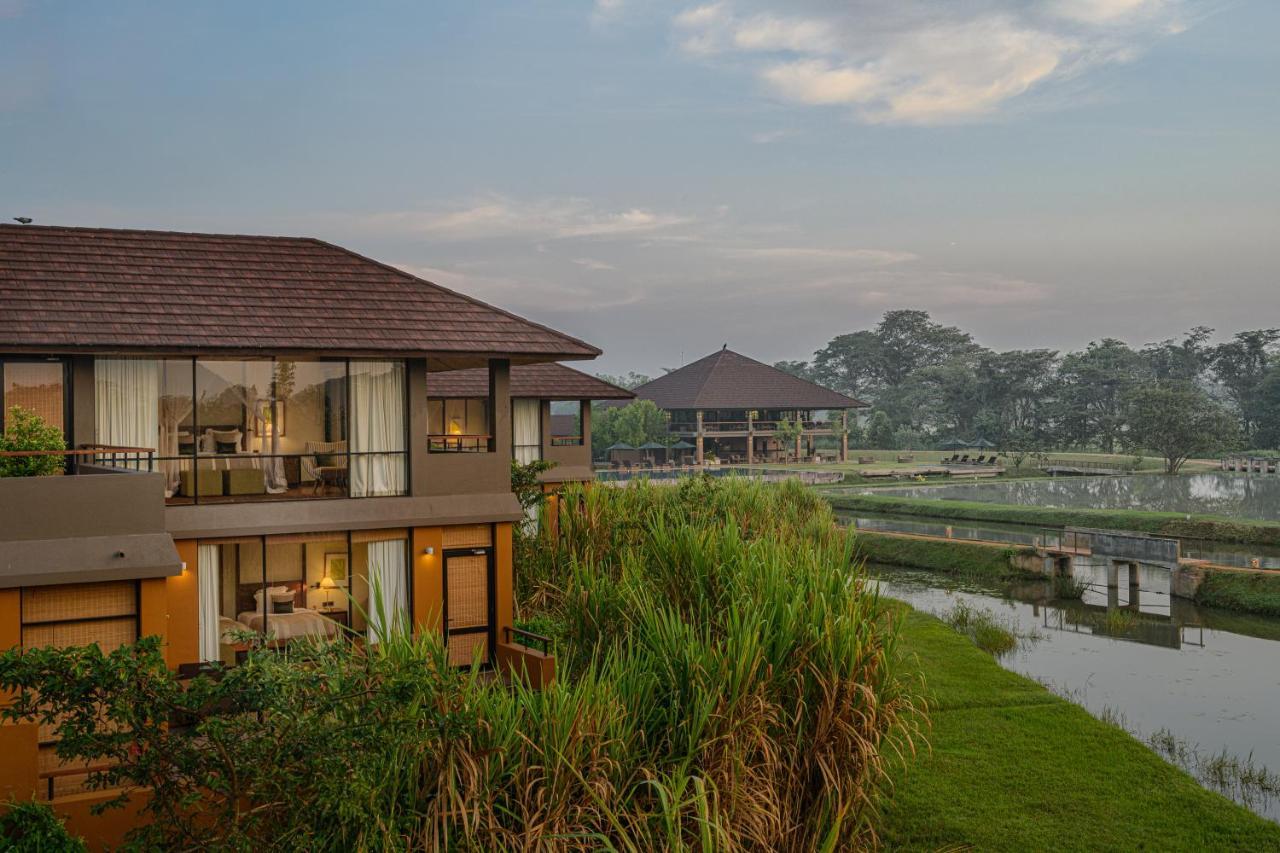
(661, 178)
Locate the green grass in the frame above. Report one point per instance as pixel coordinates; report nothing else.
(953, 557)
(1245, 592)
(1013, 767)
(1181, 525)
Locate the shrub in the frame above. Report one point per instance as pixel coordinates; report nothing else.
(27, 825)
(25, 430)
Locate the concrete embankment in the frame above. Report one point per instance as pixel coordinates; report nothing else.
(1175, 525)
(1226, 587)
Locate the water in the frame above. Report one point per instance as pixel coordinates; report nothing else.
(1207, 677)
(1215, 493)
(1218, 553)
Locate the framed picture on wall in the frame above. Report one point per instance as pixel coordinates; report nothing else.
(336, 567)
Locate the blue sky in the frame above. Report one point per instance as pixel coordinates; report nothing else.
(664, 177)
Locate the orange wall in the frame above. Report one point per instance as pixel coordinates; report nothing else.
(504, 592)
(182, 618)
(428, 584)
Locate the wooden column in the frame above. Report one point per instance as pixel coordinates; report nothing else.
(799, 438)
(751, 437)
(844, 436)
(698, 439)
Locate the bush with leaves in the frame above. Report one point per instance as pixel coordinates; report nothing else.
(25, 430)
(27, 825)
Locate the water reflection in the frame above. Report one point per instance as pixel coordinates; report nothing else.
(1163, 664)
(1213, 493)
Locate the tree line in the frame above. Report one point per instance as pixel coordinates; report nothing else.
(927, 382)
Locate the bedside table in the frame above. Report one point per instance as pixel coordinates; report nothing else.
(342, 617)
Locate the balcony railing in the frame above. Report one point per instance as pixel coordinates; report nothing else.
(451, 443)
(318, 474)
(712, 427)
(566, 441)
(102, 455)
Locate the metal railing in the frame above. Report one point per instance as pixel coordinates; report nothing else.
(526, 638)
(109, 455)
(449, 443)
(566, 441)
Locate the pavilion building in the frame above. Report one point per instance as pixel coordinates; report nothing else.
(744, 411)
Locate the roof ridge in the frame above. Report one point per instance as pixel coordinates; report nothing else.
(150, 231)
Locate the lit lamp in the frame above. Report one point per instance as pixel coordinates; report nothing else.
(328, 585)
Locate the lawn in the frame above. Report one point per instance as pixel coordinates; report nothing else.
(1013, 767)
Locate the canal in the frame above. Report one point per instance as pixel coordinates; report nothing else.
(1202, 684)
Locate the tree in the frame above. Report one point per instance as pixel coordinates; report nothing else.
(630, 380)
(1182, 362)
(636, 423)
(880, 431)
(1093, 387)
(849, 364)
(795, 368)
(525, 484)
(1178, 420)
(788, 432)
(25, 430)
(1239, 365)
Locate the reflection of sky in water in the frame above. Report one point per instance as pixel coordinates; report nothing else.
(1217, 493)
(1207, 685)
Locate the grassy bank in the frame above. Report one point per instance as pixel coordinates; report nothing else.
(1157, 523)
(1244, 592)
(953, 557)
(1013, 767)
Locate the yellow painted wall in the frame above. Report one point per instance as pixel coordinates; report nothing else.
(428, 584)
(182, 602)
(504, 586)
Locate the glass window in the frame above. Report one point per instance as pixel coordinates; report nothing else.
(459, 425)
(566, 423)
(526, 430)
(36, 386)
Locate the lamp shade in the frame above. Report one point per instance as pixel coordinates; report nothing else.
(327, 582)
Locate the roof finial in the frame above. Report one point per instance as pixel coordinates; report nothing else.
(724, 347)
(24, 220)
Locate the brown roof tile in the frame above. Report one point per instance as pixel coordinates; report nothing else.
(544, 381)
(101, 288)
(727, 380)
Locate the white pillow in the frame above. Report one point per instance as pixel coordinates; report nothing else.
(272, 592)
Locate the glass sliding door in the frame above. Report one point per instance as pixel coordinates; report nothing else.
(526, 430)
(378, 427)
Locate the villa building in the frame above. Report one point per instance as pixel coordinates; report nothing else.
(741, 410)
(258, 428)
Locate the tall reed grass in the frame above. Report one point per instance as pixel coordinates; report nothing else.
(728, 682)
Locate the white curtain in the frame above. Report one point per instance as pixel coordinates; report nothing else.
(208, 573)
(389, 582)
(526, 425)
(127, 403)
(377, 426)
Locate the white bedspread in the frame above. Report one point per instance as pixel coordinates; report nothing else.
(285, 626)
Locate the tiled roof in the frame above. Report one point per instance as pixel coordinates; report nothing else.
(727, 380)
(98, 288)
(545, 381)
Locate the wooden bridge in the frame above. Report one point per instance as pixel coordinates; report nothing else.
(1078, 468)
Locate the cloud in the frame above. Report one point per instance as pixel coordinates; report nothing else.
(593, 264)
(768, 137)
(796, 254)
(500, 216)
(917, 62)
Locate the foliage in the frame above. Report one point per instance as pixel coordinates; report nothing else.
(988, 632)
(954, 557)
(1243, 592)
(880, 431)
(1178, 421)
(630, 380)
(996, 736)
(636, 423)
(25, 430)
(28, 825)
(788, 433)
(937, 380)
(525, 484)
(727, 682)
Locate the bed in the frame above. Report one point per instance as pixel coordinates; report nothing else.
(282, 627)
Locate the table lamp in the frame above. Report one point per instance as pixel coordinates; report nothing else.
(328, 585)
